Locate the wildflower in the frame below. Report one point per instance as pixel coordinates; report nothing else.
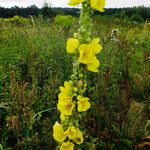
(86, 54)
(83, 103)
(62, 97)
(98, 4)
(65, 107)
(71, 132)
(67, 146)
(75, 2)
(58, 132)
(72, 45)
(67, 89)
(79, 137)
(75, 134)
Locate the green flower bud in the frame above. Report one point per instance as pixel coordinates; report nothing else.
(85, 85)
(75, 94)
(75, 73)
(75, 89)
(81, 75)
(75, 35)
(80, 91)
(70, 83)
(79, 83)
(73, 77)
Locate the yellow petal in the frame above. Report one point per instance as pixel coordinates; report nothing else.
(79, 137)
(65, 107)
(67, 146)
(62, 117)
(95, 46)
(93, 65)
(72, 45)
(98, 4)
(71, 132)
(58, 132)
(86, 54)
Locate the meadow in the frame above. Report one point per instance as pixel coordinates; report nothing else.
(34, 63)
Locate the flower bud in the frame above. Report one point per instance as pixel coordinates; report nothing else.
(75, 94)
(75, 35)
(79, 83)
(75, 89)
(81, 75)
(73, 77)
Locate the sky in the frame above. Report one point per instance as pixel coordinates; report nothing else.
(63, 3)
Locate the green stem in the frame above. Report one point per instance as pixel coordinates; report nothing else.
(85, 23)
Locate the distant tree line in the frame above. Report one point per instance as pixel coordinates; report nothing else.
(143, 12)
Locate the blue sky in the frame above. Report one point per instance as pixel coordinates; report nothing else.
(63, 3)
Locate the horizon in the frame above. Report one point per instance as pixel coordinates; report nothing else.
(63, 3)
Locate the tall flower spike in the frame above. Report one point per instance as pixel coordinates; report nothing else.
(71, 101)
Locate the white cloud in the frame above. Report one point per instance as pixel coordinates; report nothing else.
(63, 3)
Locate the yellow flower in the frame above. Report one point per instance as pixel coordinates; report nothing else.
(58, 132)
(98, 4)
(86, 54)
(74, 2)
(72, 45)
(67, 146)
(83, 104)
(65, 107)
(62, 97)
(75, 134)
(93, 65)
(71, 132)
(67, 89)
(79, 137)
(88, 51)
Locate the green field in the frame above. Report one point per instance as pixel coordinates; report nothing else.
(34, 63)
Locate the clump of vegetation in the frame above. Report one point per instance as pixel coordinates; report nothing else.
(16, 20)
(64, 21)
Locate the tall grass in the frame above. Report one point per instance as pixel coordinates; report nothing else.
(34, 59)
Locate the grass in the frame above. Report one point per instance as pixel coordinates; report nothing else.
(34, 63)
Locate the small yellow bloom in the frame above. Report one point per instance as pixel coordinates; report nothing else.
(58, 132)
(83, 104)
(86, 54)
(79, 137)
(65, 107)
(71, 132)
(75, 134)
(98, 4)
(74, 2)
(93, 65)
(72, 45)
(67, 146)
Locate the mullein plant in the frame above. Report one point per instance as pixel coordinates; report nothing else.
(72, 102)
